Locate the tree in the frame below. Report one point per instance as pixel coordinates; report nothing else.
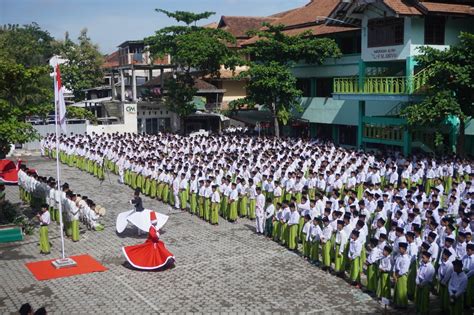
(450, 87)
(196, 52)
(83, 68)
(25, 85)
(28, 45)
(270, 81)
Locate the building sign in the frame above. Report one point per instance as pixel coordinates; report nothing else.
(132, 109)
(383, 53)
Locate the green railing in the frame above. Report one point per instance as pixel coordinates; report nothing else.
(381, 85)
(393, 133)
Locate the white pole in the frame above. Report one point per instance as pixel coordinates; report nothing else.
(58, 172)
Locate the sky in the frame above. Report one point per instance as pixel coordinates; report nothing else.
(111, 22)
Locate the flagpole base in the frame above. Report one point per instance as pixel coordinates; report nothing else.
(64, 263)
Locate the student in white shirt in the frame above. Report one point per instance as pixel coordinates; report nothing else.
(424, 280)
(355, 249)
(44, 219)
(260, 211)
(458, 284)
(269, 214)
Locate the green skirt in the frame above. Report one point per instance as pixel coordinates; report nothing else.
(411, 281)
(400, 297)
(422, 299)
(269, 227)
(159, 191)
(207, 209)
(44, 239)
(201, 206)
(383, 285)
(443, 294)
(193, 203)
(75, 230)
(214, 213)
(153, 189)
(338, 259)
(372, 277)
(133, 180)
(457, 308)
(243, 206)
(300, 229)
(252, 205)
(182, 200)
(355, 270)
(327, 254)
(470, 292)
(314, 251)
(276, 230)
(147, 186)
(224, 205)
(166, 191)
(233, 211)
(293, 236)
(283, 233)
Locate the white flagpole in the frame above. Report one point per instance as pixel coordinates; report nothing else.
(58, 172)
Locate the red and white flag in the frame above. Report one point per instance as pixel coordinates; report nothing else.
(60, 105)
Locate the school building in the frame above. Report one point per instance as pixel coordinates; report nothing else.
(356, 100)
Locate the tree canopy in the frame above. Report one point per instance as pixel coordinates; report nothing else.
(83, 68)
(25, 85)
(195, 51)
(450, 86)
(270, 80)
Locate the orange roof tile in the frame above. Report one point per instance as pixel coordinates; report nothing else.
(435, 7)
(401, 7)
(240, 25)
(111, 60)
(308, 13)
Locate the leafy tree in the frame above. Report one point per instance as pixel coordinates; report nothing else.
(24, 92)
(83, 68)
(450, 87)
(26, 89)
(80, 113)
(270, 81)
(28, 45)
(195, 51)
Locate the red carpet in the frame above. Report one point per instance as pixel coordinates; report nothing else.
(44, 270)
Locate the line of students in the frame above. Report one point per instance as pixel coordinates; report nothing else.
(42, 194)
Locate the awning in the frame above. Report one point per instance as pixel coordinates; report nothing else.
(92, 102)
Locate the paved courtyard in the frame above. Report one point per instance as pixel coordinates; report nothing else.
(225, 268)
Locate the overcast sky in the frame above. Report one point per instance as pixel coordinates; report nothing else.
(111, 22)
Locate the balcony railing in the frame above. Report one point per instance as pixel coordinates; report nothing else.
(381, 85)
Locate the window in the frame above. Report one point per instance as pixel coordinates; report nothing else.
(324, 87)
(385, 32)
(434, 30)
(349, 45)
(304, 85)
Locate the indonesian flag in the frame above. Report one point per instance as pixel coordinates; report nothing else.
(60, 105)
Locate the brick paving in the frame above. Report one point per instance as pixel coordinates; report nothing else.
(219, 269)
